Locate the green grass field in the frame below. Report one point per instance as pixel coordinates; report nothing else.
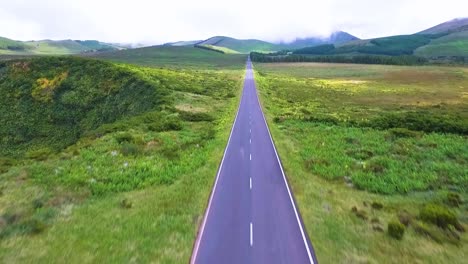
(130, 184)
(175, 57)
(386, 140)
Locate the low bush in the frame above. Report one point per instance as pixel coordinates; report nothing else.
(395, 133)
(130, 149)
(453, 199)
(396, 229)
(126, 204)
(124, 137)
(39, 154)
(195, 116)
(405, 218)
(438, 215)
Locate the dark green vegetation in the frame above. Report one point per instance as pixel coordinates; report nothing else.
(49, 103)
(396, 229)
(112, 163)
(359, 59)
(368, 145)
(174, 57)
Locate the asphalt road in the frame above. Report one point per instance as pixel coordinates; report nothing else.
(251, 215)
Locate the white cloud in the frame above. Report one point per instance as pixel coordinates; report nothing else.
(162, 21)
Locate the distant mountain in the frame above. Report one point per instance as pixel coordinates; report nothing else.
(455, 25)
(240, 45)
(183, 43)
(448, 39)
(335, 38)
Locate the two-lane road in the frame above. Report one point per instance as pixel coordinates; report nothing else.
(251, 215)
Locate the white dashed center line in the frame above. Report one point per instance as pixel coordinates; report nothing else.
(251, 234)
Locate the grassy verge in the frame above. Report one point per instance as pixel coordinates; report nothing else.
(352, 178)
(132, 189)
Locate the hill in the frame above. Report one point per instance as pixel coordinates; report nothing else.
(458, 24)
(173, 56)
(335, 38)
(447, 42)
(53, 47)
(183, 43)
(62, 98)
(10, 46)
(240, 45)
(454, 44)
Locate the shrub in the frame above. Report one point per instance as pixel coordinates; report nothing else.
(438, 215)
(124, 137)
(38, 203)
(423, 229)
(39, 154)
(126, 204)
(396, 229)
(377, 205)
(454, 199)
(405, 218)
(130, 149)
(195, 116)
(33, 226)
(359, 213)
(403, 133)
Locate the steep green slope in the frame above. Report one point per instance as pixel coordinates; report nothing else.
(48, 103)
(455, 44)
(169, 56)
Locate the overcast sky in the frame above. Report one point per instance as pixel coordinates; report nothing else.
(154, 22)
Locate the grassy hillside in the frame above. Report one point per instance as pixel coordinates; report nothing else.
(133, 153)
(168, 56)
(52, 47)
(217, 48)
(241, 45)
(395, 45)
(364, 146)
(67, 96)
(8, 46)
(455, 44)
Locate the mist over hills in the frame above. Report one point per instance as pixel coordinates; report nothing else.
(446, 39)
